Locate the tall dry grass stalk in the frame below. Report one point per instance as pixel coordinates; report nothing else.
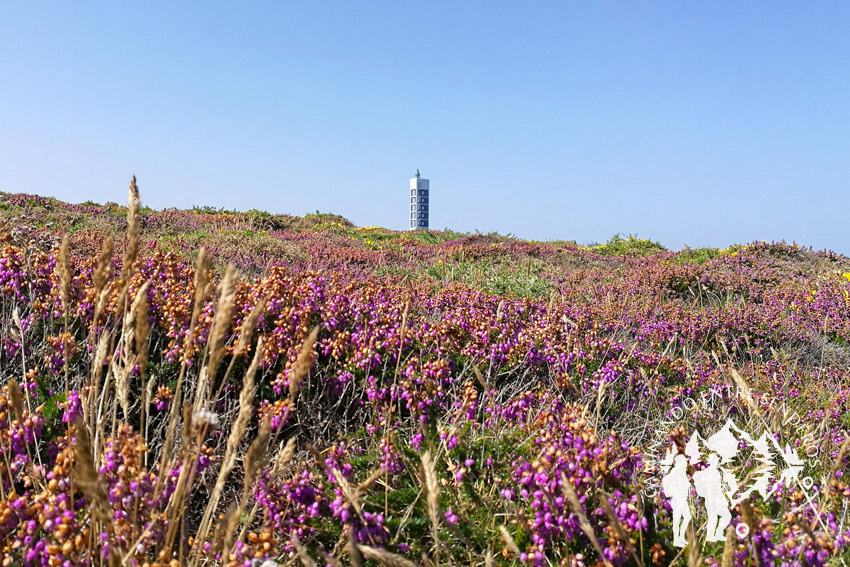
(246, 330)
(190, 451)
(217, 338)
(130, 333)
(101, 276)
(121, 372)
(575, 504)
(282, 458)
(16, 398)
(253, 461)
(347, 492)
(302, 366)
(134, 201)
(384, 557)
(728, 557)
(237, 432)
(370, 480)
(104, 265)
(85, 475)
(509, 542)
(131, 252)
(63, 268)
(227, 524)
(226, 531)
(694, 557)
(100, 358)
(432, 500)
(223, 317)
(302, 553)
(745, 389)
(203, 287)
(255, 458)
(619, 529)
(485, 385)
(353, 551)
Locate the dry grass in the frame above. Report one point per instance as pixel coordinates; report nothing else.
(578, 510)
(86, 477)
(212, 508)
(432, 500)
(384, 557)
(303, 364)
(237, 433)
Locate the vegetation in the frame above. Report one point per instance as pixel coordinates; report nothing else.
(212, 387)
(631, 246)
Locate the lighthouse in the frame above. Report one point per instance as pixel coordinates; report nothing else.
(419, 202)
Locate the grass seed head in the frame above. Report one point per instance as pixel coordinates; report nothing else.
(255, 457)
(303, 364)
(16, 397)
(247, 328)
(134, 201)
(223, 317)
(63, 265)
(508, 540)
(384, 557)
(104, 264)
(432, 498)
(85, 473)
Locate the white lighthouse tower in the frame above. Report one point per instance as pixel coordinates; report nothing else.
(419, 202)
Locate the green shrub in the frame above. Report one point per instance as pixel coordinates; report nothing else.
(630, 246)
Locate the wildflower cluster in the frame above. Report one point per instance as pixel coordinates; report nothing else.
(218, 388)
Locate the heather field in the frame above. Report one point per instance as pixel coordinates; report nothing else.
(218, 388)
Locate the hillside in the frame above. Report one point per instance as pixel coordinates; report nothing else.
(208, 387)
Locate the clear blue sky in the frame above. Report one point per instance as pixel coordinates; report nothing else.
(700, 123)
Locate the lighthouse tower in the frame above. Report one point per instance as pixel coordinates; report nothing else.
(419, 202)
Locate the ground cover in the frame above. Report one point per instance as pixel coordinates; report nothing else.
(219, 388)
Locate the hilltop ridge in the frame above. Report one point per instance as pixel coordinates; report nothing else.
(252, 239)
